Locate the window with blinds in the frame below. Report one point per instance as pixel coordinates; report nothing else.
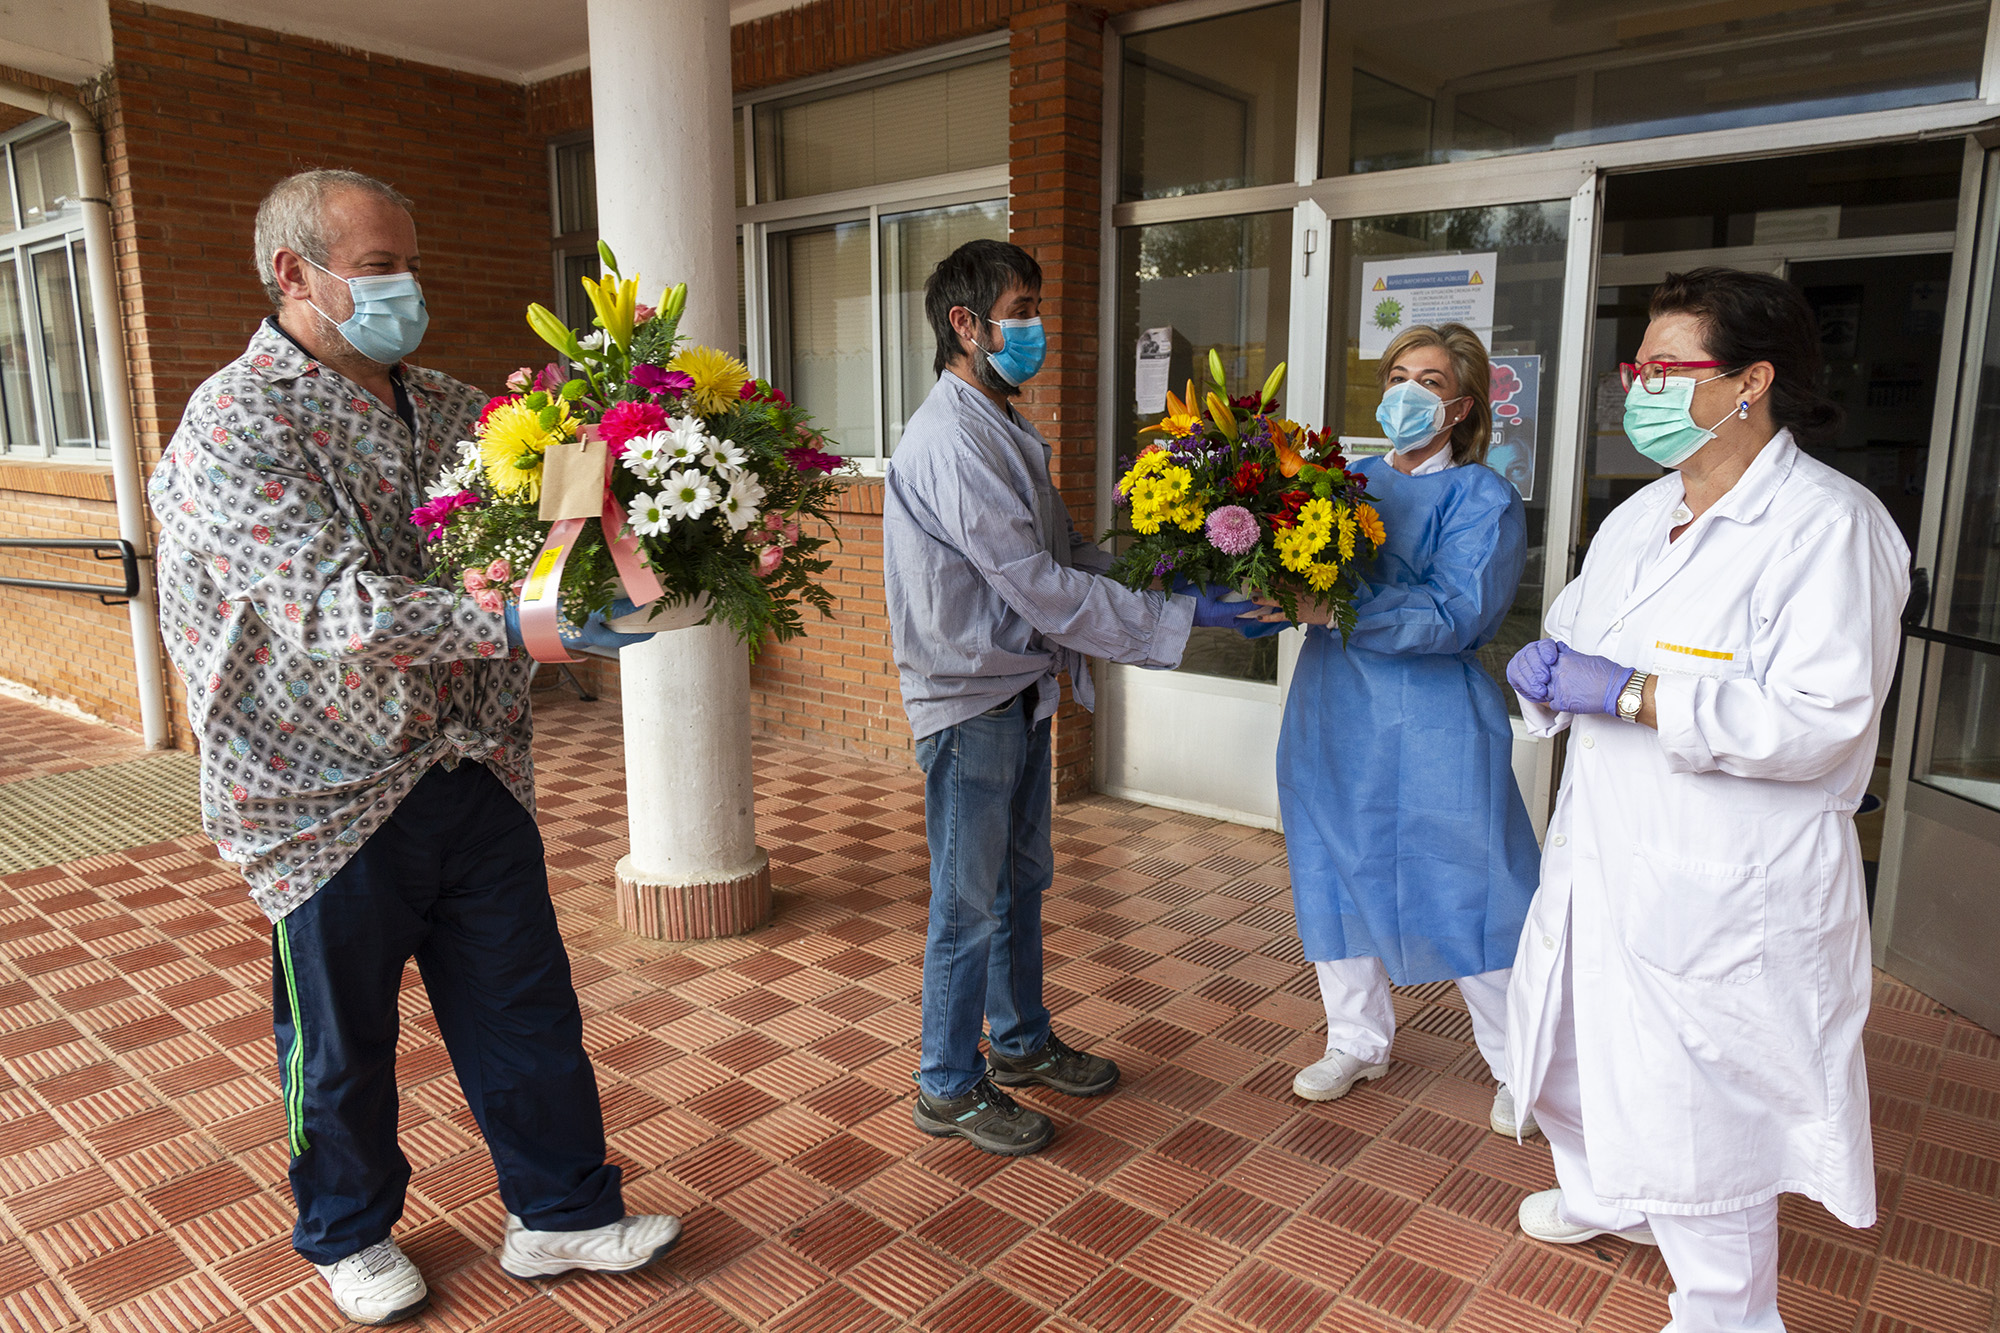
(929, 124)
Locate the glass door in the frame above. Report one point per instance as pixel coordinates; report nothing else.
(1937, 919)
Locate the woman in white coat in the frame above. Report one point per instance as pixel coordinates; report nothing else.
(1686, 1007)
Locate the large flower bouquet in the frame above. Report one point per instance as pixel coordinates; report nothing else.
(708, 478)
(1236, 496)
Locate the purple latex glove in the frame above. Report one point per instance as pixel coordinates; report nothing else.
(1581, 683)
(1529, 672)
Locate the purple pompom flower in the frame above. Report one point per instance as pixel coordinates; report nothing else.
(1232, 530)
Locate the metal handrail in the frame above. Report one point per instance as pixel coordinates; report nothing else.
(115, 548)
(1949, 640)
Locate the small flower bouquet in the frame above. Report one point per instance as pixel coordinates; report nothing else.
(657, 466)
(1237, 496)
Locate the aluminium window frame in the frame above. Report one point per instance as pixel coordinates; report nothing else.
(760, 221)
(19, 248)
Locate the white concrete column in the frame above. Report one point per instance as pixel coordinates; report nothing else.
(660, 96)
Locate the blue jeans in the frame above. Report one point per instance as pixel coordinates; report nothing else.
(986, 813)
(456, 879)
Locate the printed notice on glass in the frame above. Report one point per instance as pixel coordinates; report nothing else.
(1516, 398)
(1156, 354)
(1440, 289)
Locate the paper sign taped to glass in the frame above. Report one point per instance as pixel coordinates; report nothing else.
(1434, 289)
(1516, 400)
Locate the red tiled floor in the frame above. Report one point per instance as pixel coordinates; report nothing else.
(761, 1088)
(35, 742)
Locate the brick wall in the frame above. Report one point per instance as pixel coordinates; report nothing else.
(205, 115)
(836, 684)
(1055, 119)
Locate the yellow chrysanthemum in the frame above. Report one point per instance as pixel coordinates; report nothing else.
(1296, 547)
(1371, 524)
(511, 445)
(1320, 575)
(718, 378)
(1348, 531)
(1316, 517)
(1160, 493)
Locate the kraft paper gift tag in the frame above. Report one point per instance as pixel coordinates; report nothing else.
(573, 478)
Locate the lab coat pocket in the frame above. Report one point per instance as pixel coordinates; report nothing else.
(1696, 920)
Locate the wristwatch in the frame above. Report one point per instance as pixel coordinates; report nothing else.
(1633, 695)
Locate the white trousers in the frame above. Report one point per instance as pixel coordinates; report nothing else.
(1724, 1265)
(1361, 1011)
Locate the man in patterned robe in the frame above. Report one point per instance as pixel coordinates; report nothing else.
(365, 758)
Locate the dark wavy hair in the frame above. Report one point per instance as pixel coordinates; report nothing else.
(976, 276)
(1751, 317)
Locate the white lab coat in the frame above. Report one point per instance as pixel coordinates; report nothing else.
(1706, 876)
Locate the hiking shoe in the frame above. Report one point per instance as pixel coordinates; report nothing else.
(624, 1246)
(987, 1117)
(1054, 1066)
(378, 1285)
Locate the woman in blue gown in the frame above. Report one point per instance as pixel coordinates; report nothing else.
(1412, 858)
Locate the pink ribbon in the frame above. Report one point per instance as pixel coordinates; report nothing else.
(641, 587)
(541, 592)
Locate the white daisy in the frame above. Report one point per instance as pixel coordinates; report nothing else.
(649, 516)
(739, 507)
(688, 494)
(684, 445)
(725, 456)
(646, 455)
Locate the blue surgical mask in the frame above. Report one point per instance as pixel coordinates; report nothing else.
(1661, 426)
(1022, 350)
(389, 316)
(1411, 415)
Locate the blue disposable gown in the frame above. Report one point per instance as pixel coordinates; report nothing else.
(1405, 830)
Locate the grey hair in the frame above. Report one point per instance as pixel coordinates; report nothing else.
(293, 217)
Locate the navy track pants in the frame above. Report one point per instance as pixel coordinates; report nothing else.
(456, 879)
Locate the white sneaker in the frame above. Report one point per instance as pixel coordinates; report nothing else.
(377, 1286)
(1506, 1121)
(1333, 1076)
(625, 1246)
(1541, 1217)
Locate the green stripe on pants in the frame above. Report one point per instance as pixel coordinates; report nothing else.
(295, 1059)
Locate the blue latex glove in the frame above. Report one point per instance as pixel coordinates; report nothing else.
(1210, 611)
(594, 634)
(1529, 672)
(1581, 683)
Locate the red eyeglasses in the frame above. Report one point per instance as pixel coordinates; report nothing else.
(1653, 374)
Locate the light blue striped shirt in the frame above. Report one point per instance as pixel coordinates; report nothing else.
(991, 588)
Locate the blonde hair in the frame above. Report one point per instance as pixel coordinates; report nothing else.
(1470, 437)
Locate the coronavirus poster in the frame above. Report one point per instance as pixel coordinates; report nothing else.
(1439, 289)
(1516, 398)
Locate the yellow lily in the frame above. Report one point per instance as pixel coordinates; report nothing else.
(616, 303)
(550, 329)
(1270, 393)
(1222, 415)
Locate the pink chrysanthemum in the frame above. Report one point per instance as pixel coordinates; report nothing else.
(1232, 530)
(627, 421)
